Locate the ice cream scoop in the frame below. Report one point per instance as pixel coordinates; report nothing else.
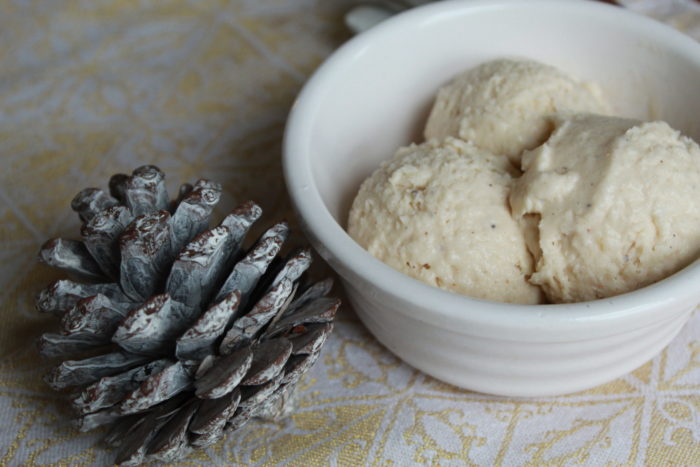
(609, 205)
(502, 105)
(439, 213)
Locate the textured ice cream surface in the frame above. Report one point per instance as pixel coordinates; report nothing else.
(609, 205)
(502, 106)
(439, 213)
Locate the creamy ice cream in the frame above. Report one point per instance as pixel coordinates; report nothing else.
(609, 205)
(502, 105)
(439, 213)
(603, 205)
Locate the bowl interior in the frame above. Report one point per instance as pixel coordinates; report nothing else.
(373, 95)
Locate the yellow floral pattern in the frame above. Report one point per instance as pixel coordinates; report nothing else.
(202, 89)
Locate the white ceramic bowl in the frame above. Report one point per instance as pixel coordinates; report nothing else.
(372, 96)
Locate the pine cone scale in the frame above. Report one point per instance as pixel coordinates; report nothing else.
(320, 310)
(89, 370)
(58, 345)
(198, 341)
(89, 202)
(71, 256)
(145, 252)
(100, 235)
(298, 365)
(269, 358)
(151, 328)
(224, 375)
(145, 191)
(214, 413)
(157, 388)
(249, 270)
(245, 328)
(170, 443)
(311, 339)
(95, 315)
(253, 396)
(109, 391)
(96, 419)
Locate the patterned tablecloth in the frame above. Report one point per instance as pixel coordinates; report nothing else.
(202, 89)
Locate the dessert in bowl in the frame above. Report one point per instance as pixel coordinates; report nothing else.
(374, 94)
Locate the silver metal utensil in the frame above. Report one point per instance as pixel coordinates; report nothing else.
(368, 14)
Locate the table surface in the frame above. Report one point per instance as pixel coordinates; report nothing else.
(202, 88)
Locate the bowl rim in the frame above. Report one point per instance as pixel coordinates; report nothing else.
(646, 304)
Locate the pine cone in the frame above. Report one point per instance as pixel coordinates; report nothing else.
(189, 336)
